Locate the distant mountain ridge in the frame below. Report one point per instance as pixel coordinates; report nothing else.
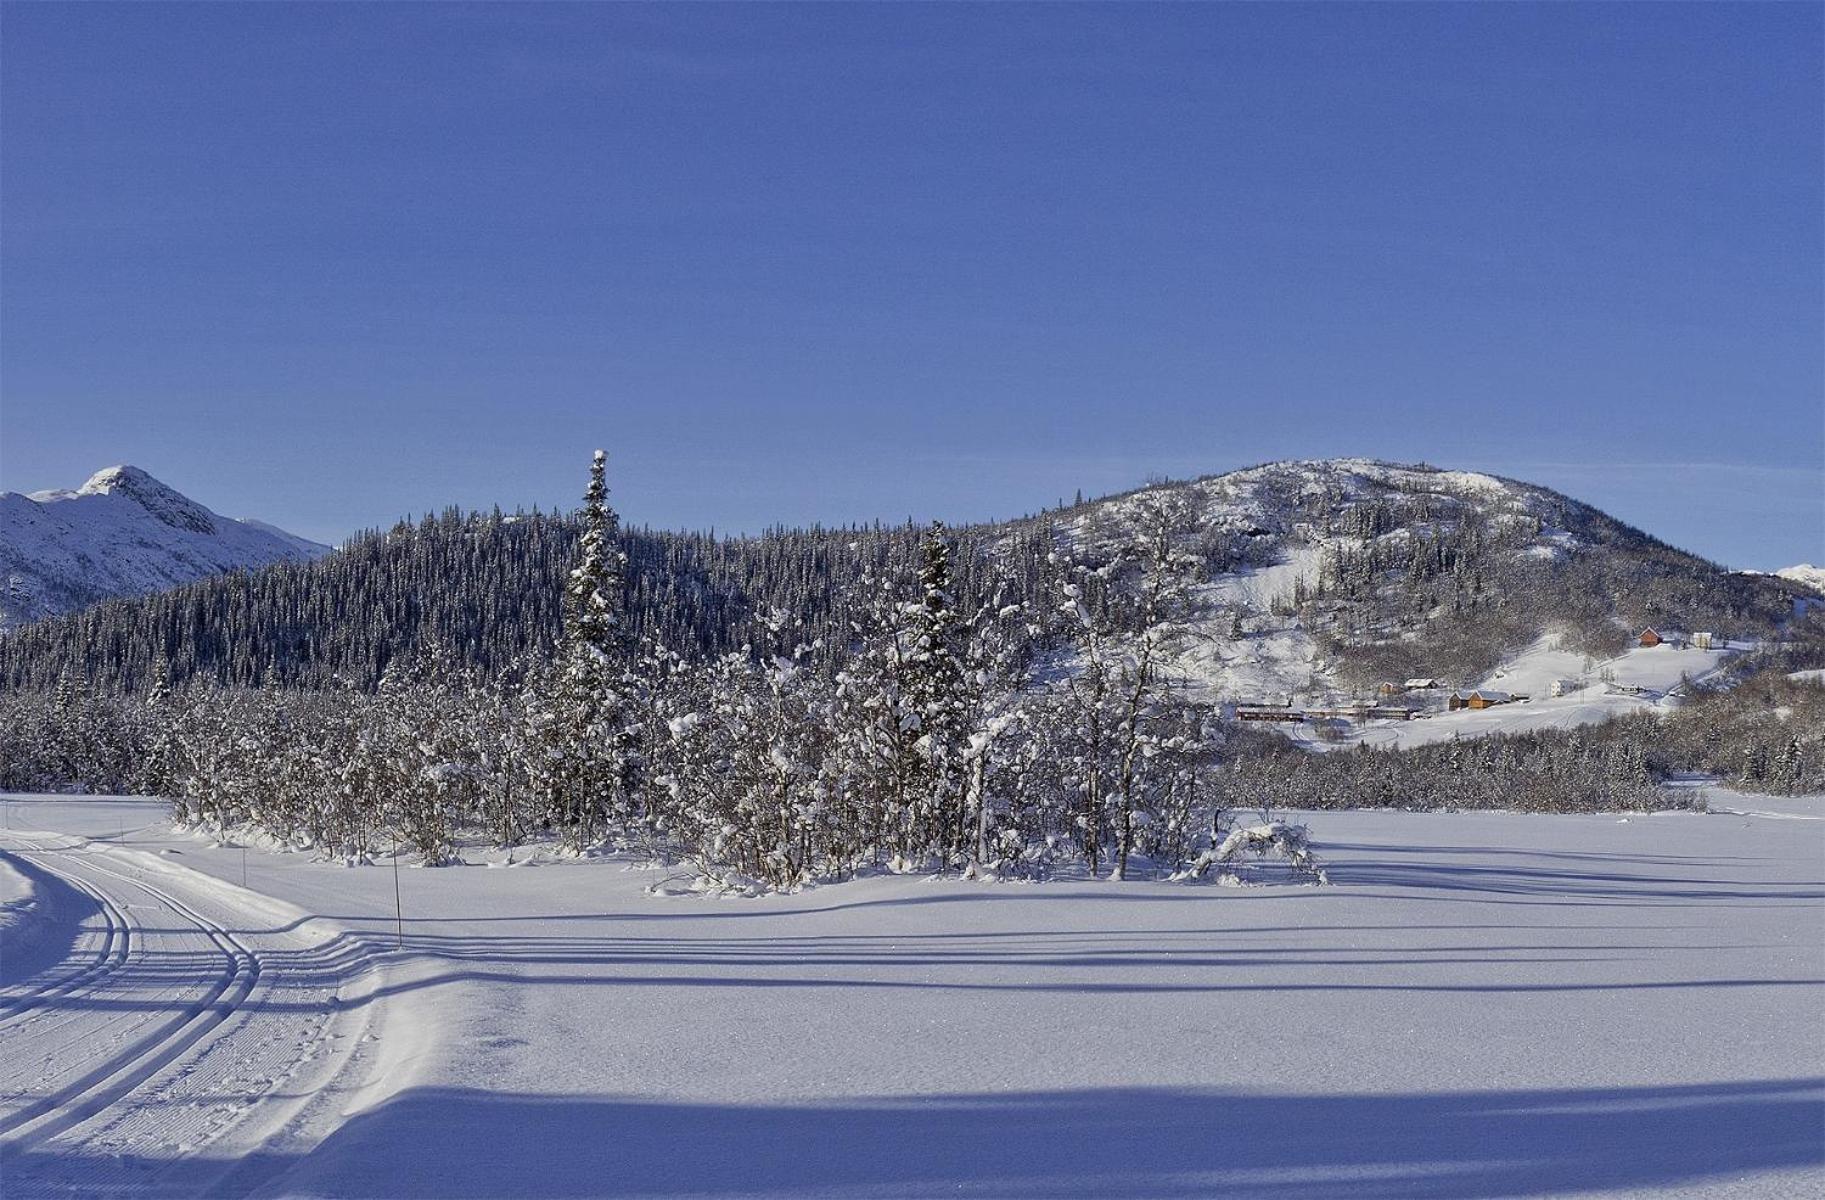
(122, 533)
(1806, 575)
(1329, 576)
(1318, 579)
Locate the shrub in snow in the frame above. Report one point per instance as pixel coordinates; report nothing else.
(1274, 840)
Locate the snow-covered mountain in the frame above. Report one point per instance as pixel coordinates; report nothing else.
(1317, 582)
(1329, 577)
(123, 533)
(1806, 575)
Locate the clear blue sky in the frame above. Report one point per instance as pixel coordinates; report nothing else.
(329, 264)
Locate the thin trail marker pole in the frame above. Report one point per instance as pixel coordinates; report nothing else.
(399, 922)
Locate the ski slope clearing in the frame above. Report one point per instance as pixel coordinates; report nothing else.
(1483, 1004)
(1637, 680)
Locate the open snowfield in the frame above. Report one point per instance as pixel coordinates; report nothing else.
(1653, 669)
(1483, 1005)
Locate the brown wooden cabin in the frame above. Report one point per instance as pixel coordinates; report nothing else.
(1650, 637)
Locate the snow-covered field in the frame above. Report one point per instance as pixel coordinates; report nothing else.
(1483, 1004)
(1652, 670)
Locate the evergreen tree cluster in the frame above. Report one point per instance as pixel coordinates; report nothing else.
(917, 737)
(488, 588)
(1604, 768)
(781, 709)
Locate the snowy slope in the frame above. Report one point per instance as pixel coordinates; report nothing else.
(1640, 679)
(123, 533)
(1484, 1004)
(1280, 524)
(1806, 575)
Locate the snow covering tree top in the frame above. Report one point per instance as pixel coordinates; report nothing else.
(588, 723)
(594, 593)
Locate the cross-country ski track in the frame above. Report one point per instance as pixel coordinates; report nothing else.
(188, 1019)
(1482, 1004)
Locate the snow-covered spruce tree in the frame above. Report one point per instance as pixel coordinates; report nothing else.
(592, 765)
(878, 771)
(935, 691)
(996, 652)
(158, 770)
(74, 757)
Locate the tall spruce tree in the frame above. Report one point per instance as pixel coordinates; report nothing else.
(591, 741)
(935, 690)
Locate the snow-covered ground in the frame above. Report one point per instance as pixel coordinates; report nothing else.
(1483, 1004)
(1636, 680)
(1275, 659)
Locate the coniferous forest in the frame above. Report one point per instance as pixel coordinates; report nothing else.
(769, 711)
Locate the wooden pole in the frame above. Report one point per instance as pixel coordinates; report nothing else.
(399, 921)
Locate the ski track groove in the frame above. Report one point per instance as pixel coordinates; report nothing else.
(117, 947)
(190, 1078)
(92, 1092)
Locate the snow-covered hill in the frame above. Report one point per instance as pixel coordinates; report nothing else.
(1317, 582)
(1332, 583)
(1330, 577)
(1806, 575)
(123, 533)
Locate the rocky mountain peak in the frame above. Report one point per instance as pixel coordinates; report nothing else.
(165, 503)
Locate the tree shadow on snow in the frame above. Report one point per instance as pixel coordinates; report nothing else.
(50, 940)
(1576, 878)
(1115, 962)
(1101, 1142)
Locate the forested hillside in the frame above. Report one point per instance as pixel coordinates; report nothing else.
(803, 705)
(1310, 577)
(486, 588)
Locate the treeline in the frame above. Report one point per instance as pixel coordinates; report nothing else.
(1765, 735)
(1412, 582)
(486, 589)
(1603, 768)
(933, 739)
(779, 772)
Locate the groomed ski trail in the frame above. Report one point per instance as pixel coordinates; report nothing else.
(199, 1034)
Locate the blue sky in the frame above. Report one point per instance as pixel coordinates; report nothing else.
(331, 264)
